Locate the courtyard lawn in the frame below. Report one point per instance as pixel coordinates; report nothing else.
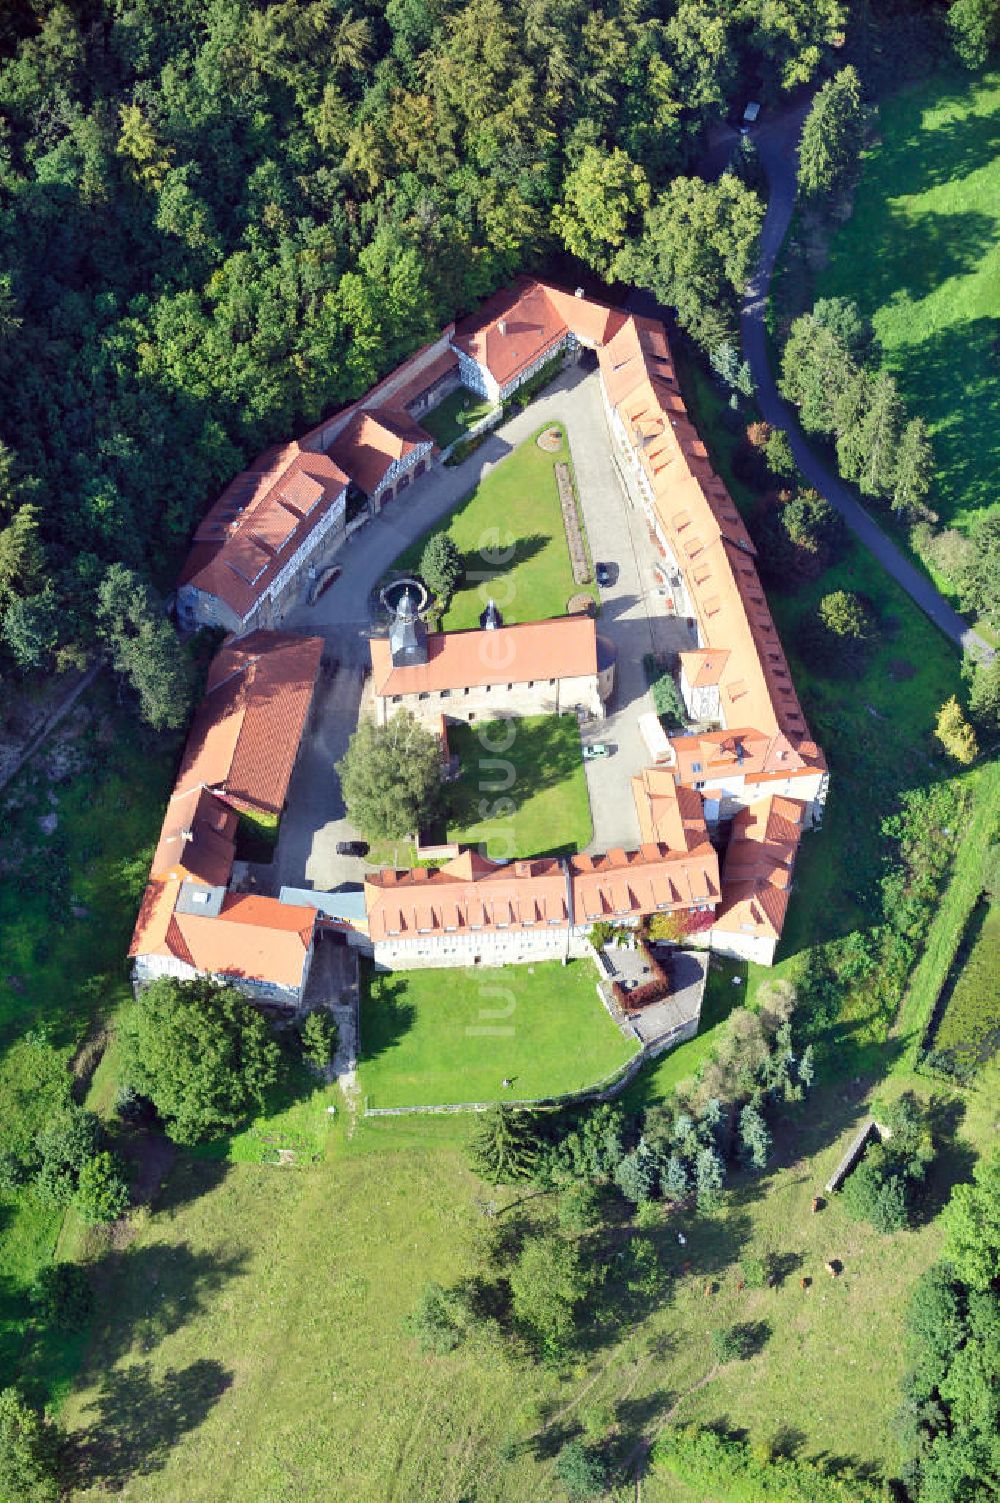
(451, 419)
(440, 1036)
(513, 544)
(546, 809)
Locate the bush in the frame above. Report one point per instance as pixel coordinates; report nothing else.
(729, 1470)
(582, 1471)
(729, 1344)
(63, 1296)
(102, 1193)
(756, 1272)
(29, 1453)
(667, 701)
(433, 1323)
(65, 1145)
(319, 1038)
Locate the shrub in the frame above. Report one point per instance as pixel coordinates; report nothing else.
(729, 1344)
(65, 1145)
(955, 733)
(582, 1471)
(319, 1038)
(441, 565)
(102, 1193)
(433, 1323)
(756, 1271)
(728, 1469)
(667, 701)
(63, 1296)
(29, 1452)
(579, 1207)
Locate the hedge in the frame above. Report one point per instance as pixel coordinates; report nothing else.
(734, 1472)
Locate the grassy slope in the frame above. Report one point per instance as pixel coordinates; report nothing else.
(252, 1337)
(439, 1036)
(921, 256)
(515, 505)
(60, 970)
(545, 809)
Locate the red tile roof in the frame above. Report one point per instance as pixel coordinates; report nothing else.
(198, 839)
(259, 522)
(246, 732)
(472, 894)
(669, 813)
(565, 647)
(373, 441)
(258, 938)
(518, 325)
(757, 871)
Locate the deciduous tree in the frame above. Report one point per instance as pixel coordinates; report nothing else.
(441, 565)
(29, 1464)
(955, 733)
(602, 196)
(201, 1053)
(391, 777)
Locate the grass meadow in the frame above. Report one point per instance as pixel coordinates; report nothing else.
(513, 544)
(545, 809)
(251, 1340)
(440, 1036)
(921, 256)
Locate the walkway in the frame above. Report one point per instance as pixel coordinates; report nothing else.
(632, 616)
(777, 143)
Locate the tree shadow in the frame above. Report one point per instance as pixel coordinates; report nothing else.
(385, 1015)
(953, 1161)
(146, 1293)
(635, 1417)
(139, 1418)
(495, 560)
(753, 1336)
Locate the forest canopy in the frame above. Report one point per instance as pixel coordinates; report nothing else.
(220, 219)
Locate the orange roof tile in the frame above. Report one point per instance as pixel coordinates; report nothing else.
(259, 521)
(198, 839)
(246, 732)
(669, 814)
(373, 441)
(565, 647)
(256, 937)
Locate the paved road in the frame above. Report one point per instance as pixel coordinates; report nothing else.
(776, 143)
(631, 616)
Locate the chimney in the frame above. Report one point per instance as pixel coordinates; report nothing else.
(502, 325)
(578, 292)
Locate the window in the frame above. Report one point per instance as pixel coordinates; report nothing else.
(699, 785)
(423, 694)
(465, 691)
(445, 693)
(552, 683)
(531, 683)
(696, 767)
(509, 688)
(397, 699)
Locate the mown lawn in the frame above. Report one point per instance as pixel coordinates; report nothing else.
(439, 1036)
(545, 808)
(452, 418)
(921, 256)
(513, 544)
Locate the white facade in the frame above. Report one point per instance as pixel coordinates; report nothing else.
(487, 948)
(148, 968)
(487, 701)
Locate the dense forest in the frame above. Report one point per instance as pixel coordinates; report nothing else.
(220, 219)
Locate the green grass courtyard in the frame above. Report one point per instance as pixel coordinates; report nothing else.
(545, 809)
(513, 544)
(441, 1036)
(451, 419)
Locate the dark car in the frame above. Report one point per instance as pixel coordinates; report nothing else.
(352, 848)
(603, 575)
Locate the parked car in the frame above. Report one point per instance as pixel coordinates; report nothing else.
(603, 575)
(595, 749)
(352, 848)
